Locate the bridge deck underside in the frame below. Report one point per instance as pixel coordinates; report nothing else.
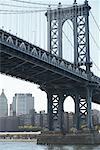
(23, 66)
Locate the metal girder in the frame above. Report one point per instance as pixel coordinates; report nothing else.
(55, 110)
(17, 66)
(79, 17)
(83, 109)
(55, 31)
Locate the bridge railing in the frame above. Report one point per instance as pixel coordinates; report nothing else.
(34, 51)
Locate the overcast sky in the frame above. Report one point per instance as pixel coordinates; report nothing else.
(25, 27)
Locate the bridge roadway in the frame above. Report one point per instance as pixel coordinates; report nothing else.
(24, 60)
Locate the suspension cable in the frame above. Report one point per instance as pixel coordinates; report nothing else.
(68, 39)
(36, 3)
(19, 12)
(90, 35)
(95, 64)
(73, 47)
(95, 21)
(19, 6)
(94, 40)
(3, 10)
(70, 25)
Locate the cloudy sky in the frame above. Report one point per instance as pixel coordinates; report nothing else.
(16, 18)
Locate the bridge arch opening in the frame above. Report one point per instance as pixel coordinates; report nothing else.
(68, 41)
(69, 105)
(69, 115)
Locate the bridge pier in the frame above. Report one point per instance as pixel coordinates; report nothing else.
(77, 111)
(83, 109)
(50, 111)
(79, 16)
(55, 110)
(89, 102)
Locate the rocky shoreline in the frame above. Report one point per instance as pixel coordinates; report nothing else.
(73, 139)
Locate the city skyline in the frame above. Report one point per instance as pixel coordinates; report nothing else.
(12, 85)
(40, 107)
(22, 103)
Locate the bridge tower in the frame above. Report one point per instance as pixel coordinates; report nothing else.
(79, 16)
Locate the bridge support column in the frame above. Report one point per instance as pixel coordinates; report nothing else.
(89, 102)
(77, 112)
(83, 109)
(55, 111)
(50, 111)
(61, 113)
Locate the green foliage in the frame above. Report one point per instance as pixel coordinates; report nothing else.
(97, 127)
(29, 128)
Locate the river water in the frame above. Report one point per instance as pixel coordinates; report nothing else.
(34, 146)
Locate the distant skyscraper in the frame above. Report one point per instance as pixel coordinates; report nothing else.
(3, 105)
(22, 104)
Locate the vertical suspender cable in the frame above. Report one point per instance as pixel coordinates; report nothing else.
(39, 25)
(28, 26)
(31, 27)
(45, 31)
(35, 27)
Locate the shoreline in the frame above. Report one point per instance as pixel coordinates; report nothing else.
(19, 140)
(73, 139)
(19, 136)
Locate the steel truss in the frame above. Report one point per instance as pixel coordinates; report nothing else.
(83, 110)
(79, 17)
(55, 111)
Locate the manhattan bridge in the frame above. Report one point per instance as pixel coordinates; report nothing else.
(22, 56)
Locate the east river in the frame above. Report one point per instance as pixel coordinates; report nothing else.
(34, 146)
